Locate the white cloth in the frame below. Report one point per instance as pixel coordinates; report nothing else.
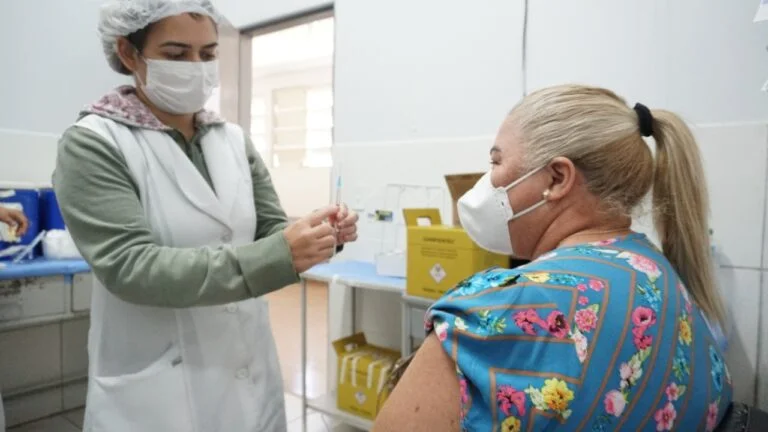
(201, 369)
(58, 245)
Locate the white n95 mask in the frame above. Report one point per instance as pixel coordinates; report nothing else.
(180, 87)
(484, 212)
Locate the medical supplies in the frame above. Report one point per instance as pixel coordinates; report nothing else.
(363, 370)
(439, 256)
(59, 245)
(26, 201)
(50, 214)
(46, 226)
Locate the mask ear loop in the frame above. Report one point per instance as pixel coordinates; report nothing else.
(544, 199)
(140, 57)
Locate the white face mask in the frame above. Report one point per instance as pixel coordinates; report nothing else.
(180, 87)
(484, 212)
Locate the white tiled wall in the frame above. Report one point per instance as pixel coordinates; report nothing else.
(33, 360)
(743, 287)
(32, 407)
(74, 354)
(30, 356)
(735, 163)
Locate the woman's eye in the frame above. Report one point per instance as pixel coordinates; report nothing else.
(493, 162)
(175, 56)
(208, 56)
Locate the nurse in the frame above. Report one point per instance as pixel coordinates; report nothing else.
(177, 216)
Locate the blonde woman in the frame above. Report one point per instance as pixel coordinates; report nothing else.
(601, 331)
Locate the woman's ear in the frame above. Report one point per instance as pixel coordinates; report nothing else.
(563, 177)
(127, 54)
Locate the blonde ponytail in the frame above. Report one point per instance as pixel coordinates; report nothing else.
(596, 129)
(680, 211)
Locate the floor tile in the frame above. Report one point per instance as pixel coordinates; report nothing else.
(316, 422)
(285, 317)
(292, 407)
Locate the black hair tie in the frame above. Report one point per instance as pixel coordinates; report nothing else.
(645, 119)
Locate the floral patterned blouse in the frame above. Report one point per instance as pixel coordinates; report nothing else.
(596, 337)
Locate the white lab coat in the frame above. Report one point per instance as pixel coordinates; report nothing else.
(202, 369)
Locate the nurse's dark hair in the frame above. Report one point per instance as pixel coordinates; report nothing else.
(601, 134)
(138, 39)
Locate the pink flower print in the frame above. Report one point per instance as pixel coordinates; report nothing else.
(557, 325)
(526, 319)
(583, 300)
(630, 372)
(673, 392)
(441, 329)
(428, 325)
(509, 397)
(596, 285)
(645, 265)
(712, 416)
(581, 287)
(615, 403)
(586, 320)
(665, 417)
(605, 242)
(643, 316)
(641, 340)
(625, 371)
(580, 342)
(688, 307)
(463, 391)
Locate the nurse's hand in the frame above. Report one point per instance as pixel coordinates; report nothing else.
(312, 239)
(345, 222)
(14, 218)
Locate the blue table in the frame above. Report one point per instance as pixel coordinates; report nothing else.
(41, 268)
(359, 274)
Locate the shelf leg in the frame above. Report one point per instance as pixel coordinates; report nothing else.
(405, 332)
(304, 355)
(353, 308)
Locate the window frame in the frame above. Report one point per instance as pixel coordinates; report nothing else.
(294, 74)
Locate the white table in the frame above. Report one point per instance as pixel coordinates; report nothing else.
(356, 275)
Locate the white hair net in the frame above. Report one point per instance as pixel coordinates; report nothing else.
(120, 18)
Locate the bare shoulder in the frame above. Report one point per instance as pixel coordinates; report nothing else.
(427, 397)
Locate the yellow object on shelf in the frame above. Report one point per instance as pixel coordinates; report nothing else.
(439, 256)
(362, 375)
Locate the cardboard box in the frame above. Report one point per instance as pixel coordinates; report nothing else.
(439, 257)
(458, 185)
(363, 371)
